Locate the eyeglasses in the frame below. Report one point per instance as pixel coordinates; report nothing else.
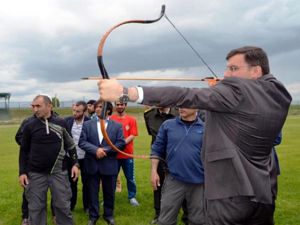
(235, 68)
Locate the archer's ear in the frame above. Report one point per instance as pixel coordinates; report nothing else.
(256, 72)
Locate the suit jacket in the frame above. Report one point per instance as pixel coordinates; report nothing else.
(154, 119)
(89, 142)
(243, 119)
(70, 120)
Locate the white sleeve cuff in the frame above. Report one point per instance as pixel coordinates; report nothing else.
(141, 94)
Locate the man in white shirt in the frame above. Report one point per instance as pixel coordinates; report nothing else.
(74, 124)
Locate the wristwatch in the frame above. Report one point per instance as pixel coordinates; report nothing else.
(124, 98)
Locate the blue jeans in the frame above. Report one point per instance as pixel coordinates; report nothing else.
(128, 170)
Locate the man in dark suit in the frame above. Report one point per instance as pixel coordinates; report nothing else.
(244, 114)
(101, 163)
(74, 126)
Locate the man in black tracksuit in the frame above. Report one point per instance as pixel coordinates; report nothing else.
(42, 163)
(18, 139)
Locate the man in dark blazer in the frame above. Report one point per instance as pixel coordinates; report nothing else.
(74, 126)
(101, 163)
(244, 114)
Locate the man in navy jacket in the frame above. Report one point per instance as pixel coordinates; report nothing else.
(101, 163)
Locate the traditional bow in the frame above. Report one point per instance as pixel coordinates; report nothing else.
(210, 80)
(105, 76)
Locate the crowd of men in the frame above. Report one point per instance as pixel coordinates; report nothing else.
(221, 171)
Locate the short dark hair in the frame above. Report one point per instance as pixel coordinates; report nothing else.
(254, 56)
(83, 103)
(118, 102)
(91, 101)
(109, 106)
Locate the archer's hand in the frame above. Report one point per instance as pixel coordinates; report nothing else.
(110, 90)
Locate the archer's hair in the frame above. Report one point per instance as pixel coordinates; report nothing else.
(254, 56)
(83, 103)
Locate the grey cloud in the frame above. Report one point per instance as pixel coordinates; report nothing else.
(213, 28)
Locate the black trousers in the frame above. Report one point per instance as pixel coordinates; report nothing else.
(24, 206)
(85, 194)
(239, 211)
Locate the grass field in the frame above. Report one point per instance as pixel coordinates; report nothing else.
(288, 203)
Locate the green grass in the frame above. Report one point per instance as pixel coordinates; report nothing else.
(288, 202)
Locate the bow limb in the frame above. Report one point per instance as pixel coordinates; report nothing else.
(105, 76)
(103, 39)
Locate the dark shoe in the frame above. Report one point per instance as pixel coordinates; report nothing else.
(25, 221)
(92, 222)
(109, 220)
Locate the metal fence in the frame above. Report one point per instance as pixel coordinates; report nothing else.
(21, 105)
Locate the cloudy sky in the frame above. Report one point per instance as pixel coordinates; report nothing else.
(48, 45)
